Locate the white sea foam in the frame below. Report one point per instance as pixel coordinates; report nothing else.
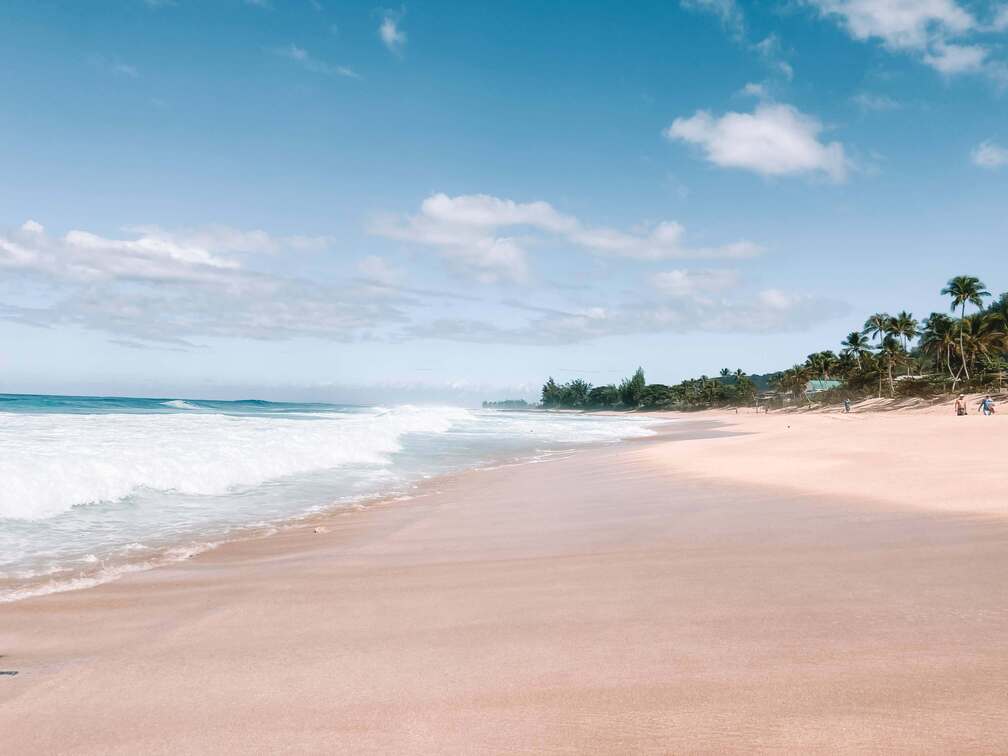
(180, 404)
(84, 495)
(50, 463)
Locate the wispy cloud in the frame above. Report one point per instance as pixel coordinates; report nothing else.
(768, 310)
(695, 283)
(869, 101)
(390, 34)
(310, 63)
(727, 11)
(771, 51)
(489, 237)
(151, 285)
(773, 140)
(989, 155)
(378, 270)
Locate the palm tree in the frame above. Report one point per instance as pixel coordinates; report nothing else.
(822, 363)
(997, 315)
(890, 351)
(905, 327)
(937, 338)
(856, 344)
(879, 325)
(965, 290)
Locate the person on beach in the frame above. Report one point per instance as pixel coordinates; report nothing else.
(987, 406)
(960, 405)
(846, 406)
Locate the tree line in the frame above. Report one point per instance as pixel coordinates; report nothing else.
(634, 392)
(894, 355)
(899, 355)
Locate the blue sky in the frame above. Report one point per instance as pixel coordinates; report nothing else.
(440, 200)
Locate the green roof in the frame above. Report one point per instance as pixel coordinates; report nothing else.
(816, 385)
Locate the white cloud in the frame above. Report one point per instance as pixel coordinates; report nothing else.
(391, 35)
(769, 311)
(377, 270)
(952, 59)
(989, 155)
(770, 49)
(695, 283)
(304, 59)
(1000, 21)
(156, 286)
(489, 236)
(935, 31)
(900, 24)
(753, 89)
(868, 101)
(726, 10)
(152, 254)
(774, 140)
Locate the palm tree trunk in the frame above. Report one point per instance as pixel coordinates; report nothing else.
(962, 352)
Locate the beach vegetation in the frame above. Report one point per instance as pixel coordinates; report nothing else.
(889, 356)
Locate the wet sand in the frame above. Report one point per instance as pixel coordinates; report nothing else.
(634, 598)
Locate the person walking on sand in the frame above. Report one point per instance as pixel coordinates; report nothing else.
(960, 405)
(846, 406)
(986, 406)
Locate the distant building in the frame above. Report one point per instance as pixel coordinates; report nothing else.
(816, 385)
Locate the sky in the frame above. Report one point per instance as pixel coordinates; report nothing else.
(443, 201)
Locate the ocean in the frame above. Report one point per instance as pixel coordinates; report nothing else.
(94, 487)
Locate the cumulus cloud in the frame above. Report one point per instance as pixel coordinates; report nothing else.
(990, 155)
(932, 30)
(773, 140)
(952, 59)
(489, 236)
(390, 34)
(900, 24)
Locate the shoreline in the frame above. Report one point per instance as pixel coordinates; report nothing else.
(620, 598)
(166, 554)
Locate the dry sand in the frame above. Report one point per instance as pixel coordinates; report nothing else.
(835, 586)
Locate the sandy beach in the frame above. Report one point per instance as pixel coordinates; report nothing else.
(791, 583)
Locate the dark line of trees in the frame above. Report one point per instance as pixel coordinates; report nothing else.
(511, 404)
(894, 355)
(634, 392)
(898, 355)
